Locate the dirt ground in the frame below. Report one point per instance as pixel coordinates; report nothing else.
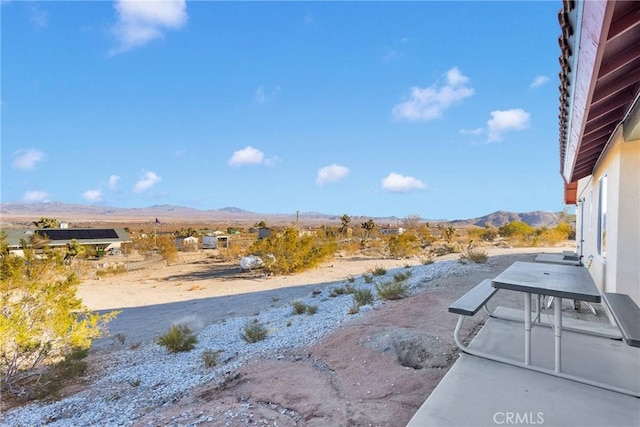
(375, 370)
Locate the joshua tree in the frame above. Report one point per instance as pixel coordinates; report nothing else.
(368, 228)
(47, 223)
(449, 233)
(344, 224)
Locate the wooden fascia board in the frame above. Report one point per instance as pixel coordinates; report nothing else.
(594, 21)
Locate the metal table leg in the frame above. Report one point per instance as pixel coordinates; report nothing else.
(557, 332)
(527, 328)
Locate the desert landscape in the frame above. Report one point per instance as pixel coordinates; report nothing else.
(325, 358)
(375, 367)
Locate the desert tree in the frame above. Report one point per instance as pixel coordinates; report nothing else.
(42, 319)
(288, 252)
(449, 233)
(47, 223)
(367, 227)
(411, 222)
(344, 224)
(186, 232)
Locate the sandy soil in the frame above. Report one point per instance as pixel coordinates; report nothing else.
(374, 371)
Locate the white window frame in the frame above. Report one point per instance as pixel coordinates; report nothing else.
(602, 216)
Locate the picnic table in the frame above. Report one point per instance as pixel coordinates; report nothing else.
(554, 280)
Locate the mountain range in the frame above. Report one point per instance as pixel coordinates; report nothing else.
(19, 212)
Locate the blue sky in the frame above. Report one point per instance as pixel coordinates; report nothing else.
(447, 110)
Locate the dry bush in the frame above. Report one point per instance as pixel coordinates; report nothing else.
(210, 358)
(476, 255)
(392, 290)
(292, 252)
(232, 253)
(349, 247)
(111, 270)
(362, 297)
(178, 338)
(404, 245)
(254, 331)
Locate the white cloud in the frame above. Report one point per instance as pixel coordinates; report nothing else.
(35, 196)
(262, 95)
(331, 173)
(113, 181)
(140, 22)
(538, 81)
(397, 183)
(92, 195)
(430, 102)
(246, 156)
(505, 121)
(149, 180)
(39, 18)
(27, 159)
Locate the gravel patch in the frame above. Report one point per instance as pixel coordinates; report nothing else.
(134, 381)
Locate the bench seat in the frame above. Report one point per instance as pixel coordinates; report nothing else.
(472, 301)
(626, 314)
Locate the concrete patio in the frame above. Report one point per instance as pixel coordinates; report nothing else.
(481, 392)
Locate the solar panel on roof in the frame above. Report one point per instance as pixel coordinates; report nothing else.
(79, 234)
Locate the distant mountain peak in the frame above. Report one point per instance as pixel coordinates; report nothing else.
(232, 209)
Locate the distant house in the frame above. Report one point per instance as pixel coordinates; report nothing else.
(186, 242)
(392, 231)
(102, 239)
(264, 232)
(215, 242)
(600, 137)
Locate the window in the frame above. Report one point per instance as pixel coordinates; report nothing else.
(590, 209)
(602, 216)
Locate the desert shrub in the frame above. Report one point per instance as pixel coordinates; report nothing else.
(476, 255)
(362, 297)
(379, 271)
(292, 252)
(355, 308)
(311, 309)
(404, 245)
(42, 318)
(61, 373)
(233, 253)
(391, 290)
(111, 270)
(351, 279)
(178, 338)
(342, 290)
(566, 229)
(298, 307)
(349, 247)
(368, 278)
(550, 237)
(516, 228)
(254, 331)
(210, 358)
(446, 249)
(399, 277)
(427, 260)
(337, 291)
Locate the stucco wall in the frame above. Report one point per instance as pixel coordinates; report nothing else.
(619, 270)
